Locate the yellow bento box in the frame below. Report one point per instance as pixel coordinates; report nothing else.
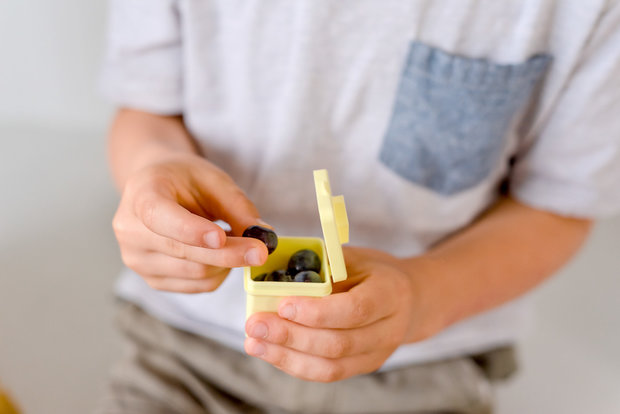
(265, 296)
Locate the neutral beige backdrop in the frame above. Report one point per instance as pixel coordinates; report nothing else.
(58, 258)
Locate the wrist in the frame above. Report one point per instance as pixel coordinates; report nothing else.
(157, 152)
(138, 140)
(429, 310)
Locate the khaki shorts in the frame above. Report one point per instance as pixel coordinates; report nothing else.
(166, 370)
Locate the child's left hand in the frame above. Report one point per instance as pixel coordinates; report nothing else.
(350, 332)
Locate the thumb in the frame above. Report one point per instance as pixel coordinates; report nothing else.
(228, 202)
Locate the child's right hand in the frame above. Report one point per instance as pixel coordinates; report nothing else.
(164, 225)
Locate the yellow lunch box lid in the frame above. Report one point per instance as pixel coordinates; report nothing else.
(334, 223)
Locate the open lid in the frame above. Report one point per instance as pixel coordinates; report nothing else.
(334, 222)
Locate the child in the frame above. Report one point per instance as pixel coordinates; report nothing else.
(473, 142)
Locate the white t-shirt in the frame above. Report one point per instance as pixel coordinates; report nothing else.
(419, 110)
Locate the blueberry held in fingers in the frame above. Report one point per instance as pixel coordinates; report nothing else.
(308, 276)
(263, 234)
(304, 260)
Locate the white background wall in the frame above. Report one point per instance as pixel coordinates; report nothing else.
(58, 259)
(49, 57)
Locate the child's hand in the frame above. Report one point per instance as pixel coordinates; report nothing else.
(348, 333)
(164, 228)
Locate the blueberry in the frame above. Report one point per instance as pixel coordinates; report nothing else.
(278, 276)
(263, 234)
(308, 276)
(304, 260)
(286, 278)
(260, 277)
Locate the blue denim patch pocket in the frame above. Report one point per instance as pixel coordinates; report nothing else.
(451, 115)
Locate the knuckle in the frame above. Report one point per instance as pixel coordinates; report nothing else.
(194, 270)
(147, 210)
(238, 197)
(425, 331)
(227, 259)
(283, 361)
(313, 315)
(117, 224)
(120, 226)
(192, 289)
(362, 309)
(331, 372)
(131, 187)
(282, 336)
(130, 260)
(154, 283)
(339, 347)
(394, 341)
(188, 232)
(210, 284)
(175, 248)
(377, 364)
(226, 180)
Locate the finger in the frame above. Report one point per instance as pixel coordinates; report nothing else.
(327, 343)
(237, 252)
(311, 367)
(171, 284)
(356, 260)
(152, 263)
(167, 218)
(364, 304)
(227, 201)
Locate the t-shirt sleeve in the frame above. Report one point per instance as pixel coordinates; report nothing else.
(573, 166)
(142, 65)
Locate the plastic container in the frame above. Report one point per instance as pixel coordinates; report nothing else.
(265, 296)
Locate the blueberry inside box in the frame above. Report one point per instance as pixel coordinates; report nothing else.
(264, 296)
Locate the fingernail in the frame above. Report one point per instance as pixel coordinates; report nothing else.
(262, 223)
(288, 311)
(252, 257)
(258, 349)
(213, 240)
(259, 330)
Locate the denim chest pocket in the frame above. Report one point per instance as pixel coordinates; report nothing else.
(451, 115)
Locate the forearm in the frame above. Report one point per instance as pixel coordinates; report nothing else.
(505, 253)
(137, 139)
